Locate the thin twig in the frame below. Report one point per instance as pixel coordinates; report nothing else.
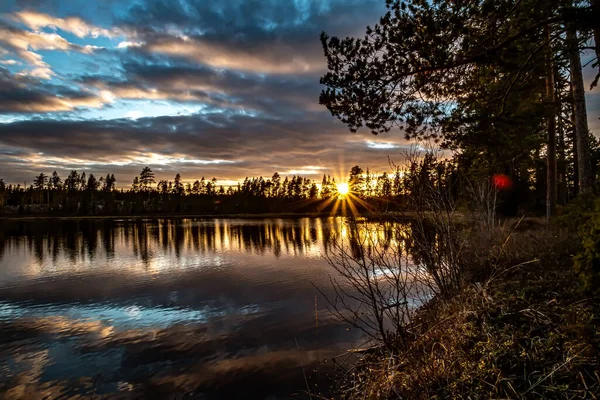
(303, 373)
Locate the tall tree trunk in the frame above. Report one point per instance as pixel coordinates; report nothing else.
(539, 179)
(575, 158)
(596, 14)
(562, 164)
(586, 183)
(551, 192)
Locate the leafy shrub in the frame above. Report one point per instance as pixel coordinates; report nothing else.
(587, 261)
(575, 214)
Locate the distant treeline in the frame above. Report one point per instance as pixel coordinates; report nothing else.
(82, 194)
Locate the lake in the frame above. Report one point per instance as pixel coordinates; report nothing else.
(168, 308)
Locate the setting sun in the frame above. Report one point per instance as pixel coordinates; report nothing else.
(342, 188)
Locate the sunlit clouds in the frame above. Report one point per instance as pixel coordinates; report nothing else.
(75, 25)
(280, 61)
(44, 161)
(200, 88)
(27, 46)
(126, 44)
(382, 145)
(307, 170)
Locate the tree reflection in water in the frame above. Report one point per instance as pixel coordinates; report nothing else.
(168, 306)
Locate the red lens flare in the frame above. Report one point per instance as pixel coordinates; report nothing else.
(502, 182)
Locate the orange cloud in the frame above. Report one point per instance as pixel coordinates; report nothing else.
(25, 44)
(217, 56)
(75, 25)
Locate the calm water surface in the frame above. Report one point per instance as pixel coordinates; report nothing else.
(219, 308)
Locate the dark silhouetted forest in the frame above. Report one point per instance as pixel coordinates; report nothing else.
(83, 194)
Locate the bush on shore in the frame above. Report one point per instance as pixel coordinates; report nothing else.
(506, 310)
(521, 326)
(587, 261)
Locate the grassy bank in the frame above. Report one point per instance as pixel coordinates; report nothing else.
(521, 326)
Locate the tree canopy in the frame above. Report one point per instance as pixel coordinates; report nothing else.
(479, 77)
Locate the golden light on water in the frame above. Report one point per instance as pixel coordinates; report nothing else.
(342, 189)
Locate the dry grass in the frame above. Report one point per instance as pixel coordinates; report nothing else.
(520, 328)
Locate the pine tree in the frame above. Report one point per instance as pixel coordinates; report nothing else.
(146, 178)
(356, 181)
(313, 191)
(135, 186)
(82, 185)
(55, 181)
(92, 183)
(178, 185)
(109, 183)
(72, 181)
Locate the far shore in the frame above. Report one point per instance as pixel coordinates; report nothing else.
(373, 216)
(288, 215)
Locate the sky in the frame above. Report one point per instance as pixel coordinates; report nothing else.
(204, 88)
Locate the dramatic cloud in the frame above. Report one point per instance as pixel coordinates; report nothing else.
(21, 94)
(200, 87)
(36, 21)
(205, 88)
(276, 60)
(269, 36)
(27, 45)
(277, 95)
(225, 145)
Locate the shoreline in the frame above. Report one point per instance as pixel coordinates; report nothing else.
(373, 216)
(287, 215)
